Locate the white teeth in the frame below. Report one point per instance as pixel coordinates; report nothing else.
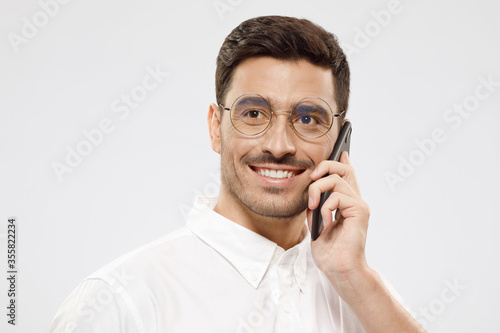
(276, 174)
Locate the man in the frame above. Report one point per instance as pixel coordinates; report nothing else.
(245, 261)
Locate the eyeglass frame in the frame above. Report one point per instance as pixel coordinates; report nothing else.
(334, 115)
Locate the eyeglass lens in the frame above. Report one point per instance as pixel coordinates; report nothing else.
(311, 117)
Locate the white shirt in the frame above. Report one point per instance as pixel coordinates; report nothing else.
(211, 276)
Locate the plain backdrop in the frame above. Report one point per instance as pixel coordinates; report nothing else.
(434, 226)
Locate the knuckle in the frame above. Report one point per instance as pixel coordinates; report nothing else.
(334, 179)
(366, 208)
(334, 197)
(312, 189)
(349, 169)
(325, 210)
(323, 164)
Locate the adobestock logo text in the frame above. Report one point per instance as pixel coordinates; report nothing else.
(380, 19)
(94, 137)
(454, 118)
(30, 27)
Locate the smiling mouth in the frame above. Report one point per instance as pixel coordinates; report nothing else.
(277, 173)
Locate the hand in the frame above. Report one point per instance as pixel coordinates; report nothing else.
(340, 249)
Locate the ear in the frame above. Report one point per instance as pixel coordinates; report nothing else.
(213, 120)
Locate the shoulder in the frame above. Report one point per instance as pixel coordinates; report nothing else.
(119, 296)
(144, 257)
(94, 306)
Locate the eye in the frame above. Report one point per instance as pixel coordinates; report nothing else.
(254, 114)
(309, 114)
(252, 117)
(306, 120)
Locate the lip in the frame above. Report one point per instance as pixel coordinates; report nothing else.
(297, 172)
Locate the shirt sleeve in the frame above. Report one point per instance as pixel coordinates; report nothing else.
(94, 307)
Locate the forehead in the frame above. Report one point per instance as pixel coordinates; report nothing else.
(281, 81)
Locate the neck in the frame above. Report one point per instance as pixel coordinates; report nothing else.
(286, 232)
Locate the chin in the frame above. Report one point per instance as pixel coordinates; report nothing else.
(277, 207)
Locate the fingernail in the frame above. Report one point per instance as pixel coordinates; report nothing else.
(310, 201)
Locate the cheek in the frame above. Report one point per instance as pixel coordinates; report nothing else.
(318, 155)
(233, 146)
(320, 152)
(226, 134)
(233, 143)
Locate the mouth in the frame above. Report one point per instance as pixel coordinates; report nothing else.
(277, 172)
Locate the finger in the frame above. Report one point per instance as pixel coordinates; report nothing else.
(346, 207)
(351, 176)
(328, 167)
(332, 182)
(309, 219)
(343, 168)
(344, 158)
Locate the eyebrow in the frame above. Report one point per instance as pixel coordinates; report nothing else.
(254, 99)
(318, 108)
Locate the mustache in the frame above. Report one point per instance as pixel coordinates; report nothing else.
(286, 160)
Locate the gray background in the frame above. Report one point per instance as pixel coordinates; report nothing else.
(435, 227)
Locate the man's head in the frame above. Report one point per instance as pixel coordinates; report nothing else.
(284, 60)
(285, 38)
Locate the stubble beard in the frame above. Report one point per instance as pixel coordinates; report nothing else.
(276, 208)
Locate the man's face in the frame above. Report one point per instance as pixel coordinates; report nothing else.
(245, 160)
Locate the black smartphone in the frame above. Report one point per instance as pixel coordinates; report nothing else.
(342, 144)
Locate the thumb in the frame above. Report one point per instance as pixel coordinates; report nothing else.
(344, 158)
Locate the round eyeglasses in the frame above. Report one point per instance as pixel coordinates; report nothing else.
(311, 117)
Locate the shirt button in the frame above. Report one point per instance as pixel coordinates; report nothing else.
(253, 277)
(287, 309)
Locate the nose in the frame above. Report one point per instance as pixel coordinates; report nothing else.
(279, 138)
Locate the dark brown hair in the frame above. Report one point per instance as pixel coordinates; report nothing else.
(285, 38)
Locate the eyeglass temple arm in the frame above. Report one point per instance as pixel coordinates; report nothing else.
(224, 108)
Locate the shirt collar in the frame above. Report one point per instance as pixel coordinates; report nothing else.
(249, 252)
